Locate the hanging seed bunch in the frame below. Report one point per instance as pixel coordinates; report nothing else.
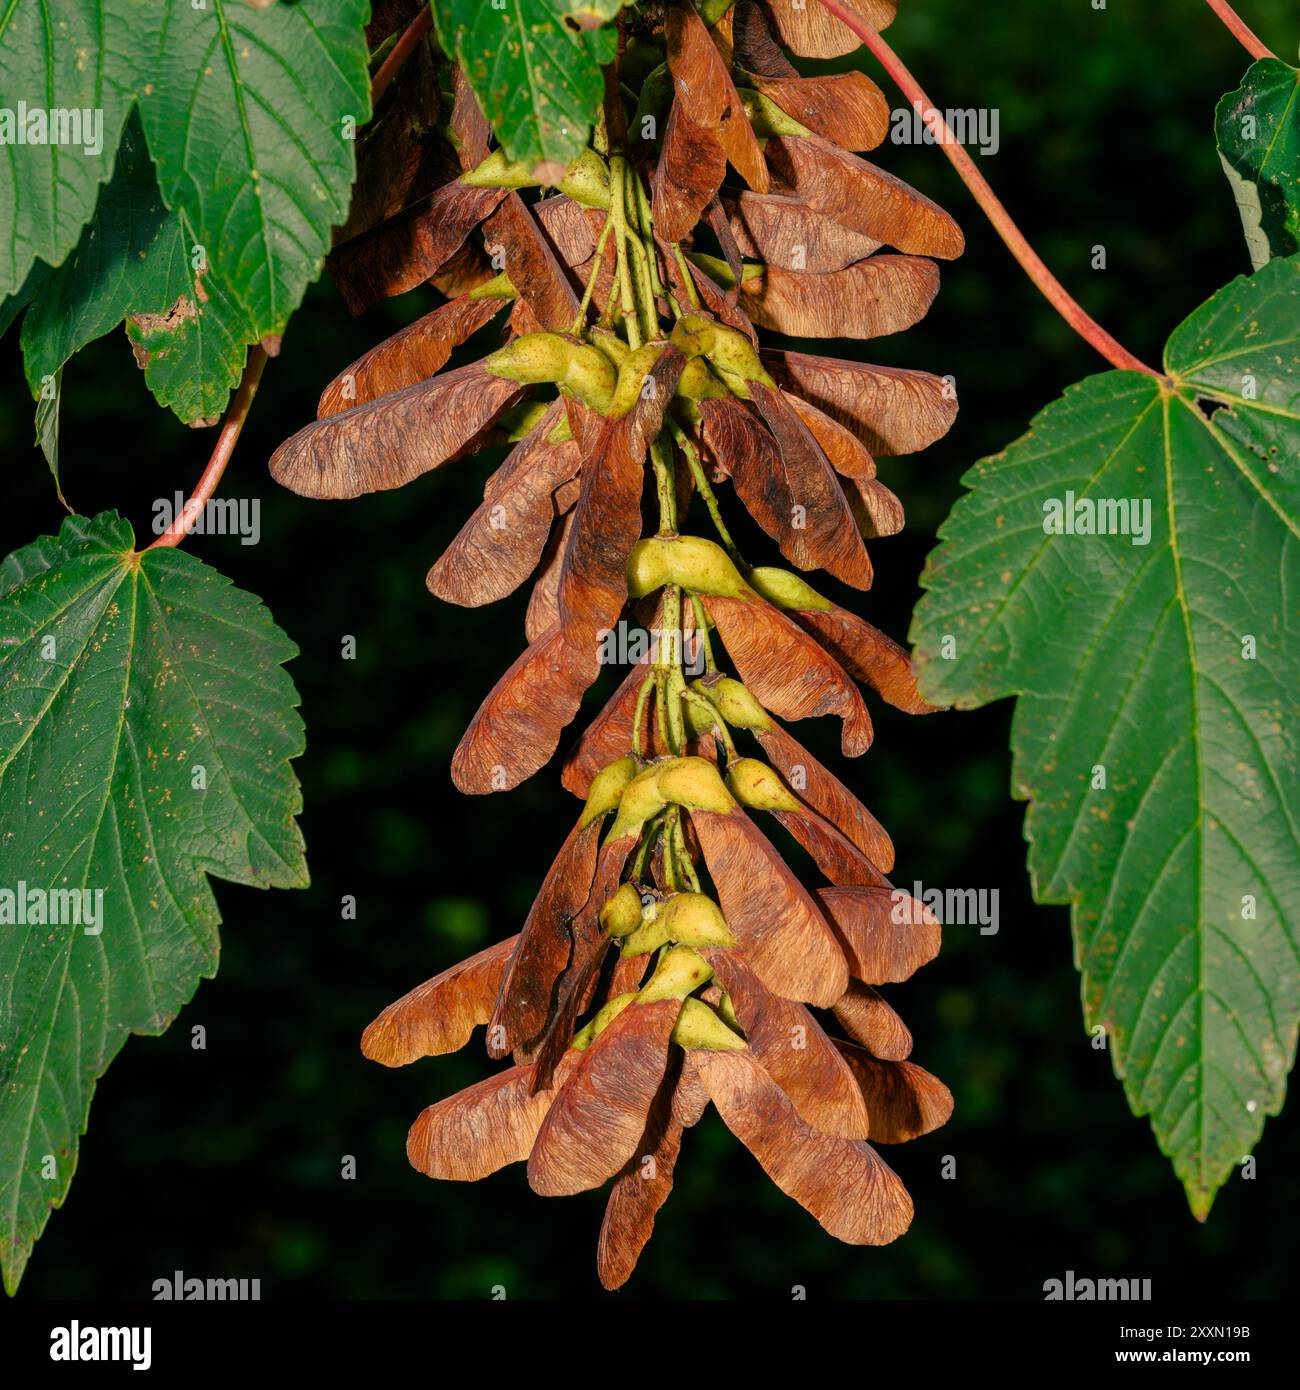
(671, 958)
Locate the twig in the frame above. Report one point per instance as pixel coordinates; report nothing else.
(221, 452)
(401, 51)
(1247, 37)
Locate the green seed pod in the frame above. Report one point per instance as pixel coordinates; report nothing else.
(589, 1032)
(607, 786)
(698, 383)
(539, 357)
(622, 914)
(520, 420)
(720, 272)
(649, 936)
(757, 785)
(498, 287)
(562, 432)
(586, 181)
(698, 1026)
(727, 349)
(631, 378)
(611, 345)
(694, 783)
(700, 718)
(728, 1012)
(496, 171)
(766, 116)
(695, 920)
(785, 589)
(641, 799)
(735, 703)
(680, 970)
(691, 561)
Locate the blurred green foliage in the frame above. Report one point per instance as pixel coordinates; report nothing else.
(227, 1161)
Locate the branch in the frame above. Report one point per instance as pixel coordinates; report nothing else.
(1030, 261)
(1249, 40)
(221, 452)
(399, 53)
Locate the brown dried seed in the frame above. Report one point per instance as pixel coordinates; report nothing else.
(886, 937)
(903, 1100)
(868, 1019)
(782, 231)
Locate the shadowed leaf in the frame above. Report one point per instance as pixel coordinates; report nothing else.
(544, 947)
(689, 172)
(407, 249)
(704, 87)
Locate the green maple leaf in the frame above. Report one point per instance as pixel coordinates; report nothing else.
(534, 66)
(1258, 130)
(146, 728)
(1155, 730)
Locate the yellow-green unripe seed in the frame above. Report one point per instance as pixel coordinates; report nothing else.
(679, 972)
(496, 171)
(611, 345)
(696, 920)
(727, 349)
(766, 116)
(735, 703)
(606, 790)
(641, 799)
(698, 383)
(756, 785)
(632, 375)
(582, 370)
(622, 913)
(589, 1032)
(649, 936)
(728, 1012)
(586, 181)
(498, 287)
(694, 783)
(786, 589)
(695, 563)
(698, 1026)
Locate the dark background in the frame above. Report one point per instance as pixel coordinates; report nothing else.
(226, 1162)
